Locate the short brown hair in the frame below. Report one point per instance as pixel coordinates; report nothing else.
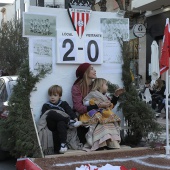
(55, 89)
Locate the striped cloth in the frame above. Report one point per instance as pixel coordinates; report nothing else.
(106, 135)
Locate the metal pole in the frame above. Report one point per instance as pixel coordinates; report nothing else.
(167, 120)
(39, 143)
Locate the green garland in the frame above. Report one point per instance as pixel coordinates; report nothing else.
(18, 129)
(139, 116)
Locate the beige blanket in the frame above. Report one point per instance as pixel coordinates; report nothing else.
(97, 95)
(46, 137)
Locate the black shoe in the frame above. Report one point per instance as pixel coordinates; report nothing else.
(101, 148)
(110, 148)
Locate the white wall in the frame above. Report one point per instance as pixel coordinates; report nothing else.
(64, 74)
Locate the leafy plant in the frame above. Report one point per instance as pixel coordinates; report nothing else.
(13, 48)
(19, 127)
(139, 116)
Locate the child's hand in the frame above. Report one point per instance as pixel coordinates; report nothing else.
(92, 101)
(104, 104)
(77, 123)
(119, 91)
(76, 119)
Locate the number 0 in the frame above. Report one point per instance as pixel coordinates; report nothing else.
(89, 51)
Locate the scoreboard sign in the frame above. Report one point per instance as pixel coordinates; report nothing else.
(72, 49)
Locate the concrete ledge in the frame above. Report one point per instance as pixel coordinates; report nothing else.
(80, 152)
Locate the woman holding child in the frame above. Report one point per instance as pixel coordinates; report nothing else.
(99, 134)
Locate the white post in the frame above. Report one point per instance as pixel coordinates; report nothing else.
(39, 143)
(167, 120)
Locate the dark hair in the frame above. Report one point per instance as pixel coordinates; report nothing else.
(147, 82)
(55, 89)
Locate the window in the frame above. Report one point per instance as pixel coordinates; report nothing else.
(3, 91)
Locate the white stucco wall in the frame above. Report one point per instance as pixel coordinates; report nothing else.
(64, 74)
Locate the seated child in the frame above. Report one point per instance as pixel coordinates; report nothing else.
(59, 114)
(97, 96)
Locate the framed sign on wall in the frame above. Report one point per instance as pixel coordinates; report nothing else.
(72, 49)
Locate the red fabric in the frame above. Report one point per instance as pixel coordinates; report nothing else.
(26, 164)
(165, 53)
(81, 70)
(123, 168)
(20, 165)
(77, 98)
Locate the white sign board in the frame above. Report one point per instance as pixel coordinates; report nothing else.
(66, 50)
(72, 49)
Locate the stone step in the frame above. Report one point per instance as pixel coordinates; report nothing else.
(81, 152)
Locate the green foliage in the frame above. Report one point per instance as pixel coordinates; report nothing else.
(19, 127)
(139, 116)
(13, 48)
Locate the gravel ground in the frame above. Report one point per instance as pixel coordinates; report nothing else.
(139, 158)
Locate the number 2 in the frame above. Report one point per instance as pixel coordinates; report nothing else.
(66, 56)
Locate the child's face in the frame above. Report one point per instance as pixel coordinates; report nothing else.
(54, 98)
(104, 88)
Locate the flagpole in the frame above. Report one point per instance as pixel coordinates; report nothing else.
(167, 120)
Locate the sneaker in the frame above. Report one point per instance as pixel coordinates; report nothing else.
(77, 124)
(74, 123)
(157, 114)
(63, 148)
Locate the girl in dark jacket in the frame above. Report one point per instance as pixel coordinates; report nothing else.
(157, 92)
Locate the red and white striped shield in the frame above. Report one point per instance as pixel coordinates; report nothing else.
(79, 19)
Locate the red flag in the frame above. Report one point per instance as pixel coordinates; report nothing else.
(165, 53)
(79, 19)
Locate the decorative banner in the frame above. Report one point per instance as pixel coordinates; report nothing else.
(42, 51)
(83, 4)
(55, 4)
(39, 25)
(79, 19)
(115, 28)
